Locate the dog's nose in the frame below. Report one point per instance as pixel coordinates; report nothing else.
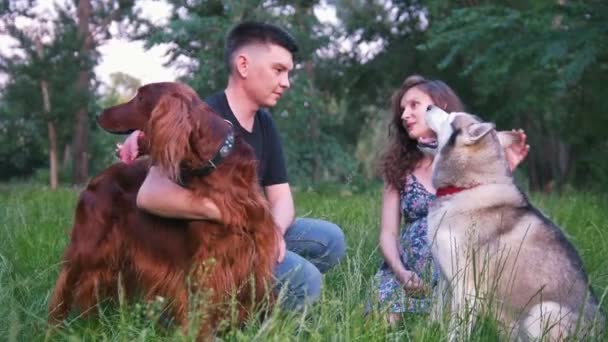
(429, 107)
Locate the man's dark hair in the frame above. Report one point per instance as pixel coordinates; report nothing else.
(249, 32)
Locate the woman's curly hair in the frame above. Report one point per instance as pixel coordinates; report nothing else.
(402, 153)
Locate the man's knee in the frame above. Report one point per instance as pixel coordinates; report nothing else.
(308, 284)
(299, 283)
(336, 246)
(319, 241)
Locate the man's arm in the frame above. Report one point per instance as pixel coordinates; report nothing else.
(162, 197)
(282, 209)
(281, 205)
(159, 195)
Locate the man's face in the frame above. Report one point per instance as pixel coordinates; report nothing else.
(267, 76)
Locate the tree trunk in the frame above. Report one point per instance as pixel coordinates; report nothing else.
(81, 128)
(52, 133)
(67, 155)
(53, 179)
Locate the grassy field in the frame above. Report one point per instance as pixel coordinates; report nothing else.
(34, 230)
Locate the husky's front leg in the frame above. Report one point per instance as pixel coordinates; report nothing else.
(445, 307)
(454, 331)
(442, 300)
(464, 310)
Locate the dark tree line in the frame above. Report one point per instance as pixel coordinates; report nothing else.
(538, 65)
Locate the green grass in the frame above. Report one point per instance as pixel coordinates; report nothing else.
(36, 222)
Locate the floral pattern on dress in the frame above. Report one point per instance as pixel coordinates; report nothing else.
(414, 252)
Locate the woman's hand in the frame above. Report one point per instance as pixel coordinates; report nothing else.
(518, 150)
(412, 284)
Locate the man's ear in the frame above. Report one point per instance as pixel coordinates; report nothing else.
(242, 64)
(477, 131)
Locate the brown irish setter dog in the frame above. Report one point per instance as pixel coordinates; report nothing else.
(114, 244)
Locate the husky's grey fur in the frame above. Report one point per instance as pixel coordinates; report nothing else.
(494, 250)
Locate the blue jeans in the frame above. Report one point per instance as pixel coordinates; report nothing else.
(313, 247)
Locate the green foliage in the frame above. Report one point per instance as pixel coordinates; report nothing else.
(196, 31)
(384, 36)
(103, 144)
(540, 66)
(51, 50)
(36, 223)
(20, 146)
(121, 89)
(24, 147)
(293, 117)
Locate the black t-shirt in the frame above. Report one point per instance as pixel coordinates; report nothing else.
(263, 138)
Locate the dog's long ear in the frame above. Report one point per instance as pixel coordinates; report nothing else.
(508, 138)
(477, 131)
(169, 132)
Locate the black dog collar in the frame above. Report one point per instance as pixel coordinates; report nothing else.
(429, 149)
(210, 165)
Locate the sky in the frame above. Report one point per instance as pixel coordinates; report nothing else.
(119, 55)
(130, 57)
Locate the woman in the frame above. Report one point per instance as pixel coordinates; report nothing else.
(407, 273)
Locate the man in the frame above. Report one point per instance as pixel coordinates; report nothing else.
(259, 57)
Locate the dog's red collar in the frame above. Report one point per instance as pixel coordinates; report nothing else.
(450, 190)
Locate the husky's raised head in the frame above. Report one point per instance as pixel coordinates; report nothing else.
(479, 156)
(493, 248)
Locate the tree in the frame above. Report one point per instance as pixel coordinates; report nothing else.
(538, 65)
(374, 51)
(547, 76)
(35, 98)
(75, 29)
(94, 19)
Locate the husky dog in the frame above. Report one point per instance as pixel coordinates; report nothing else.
(494, 250)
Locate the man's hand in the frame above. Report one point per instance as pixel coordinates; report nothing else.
(282, 246)
(129, 150)
(518, 151)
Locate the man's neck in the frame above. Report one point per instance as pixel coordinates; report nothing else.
(243, 108)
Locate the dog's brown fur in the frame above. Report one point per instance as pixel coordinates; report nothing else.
(113, 243)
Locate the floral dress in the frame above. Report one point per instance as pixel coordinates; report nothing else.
(414, 252)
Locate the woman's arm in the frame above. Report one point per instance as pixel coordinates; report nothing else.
(389, 238)
(162, 197)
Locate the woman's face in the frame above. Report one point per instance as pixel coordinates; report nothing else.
(414, 103)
